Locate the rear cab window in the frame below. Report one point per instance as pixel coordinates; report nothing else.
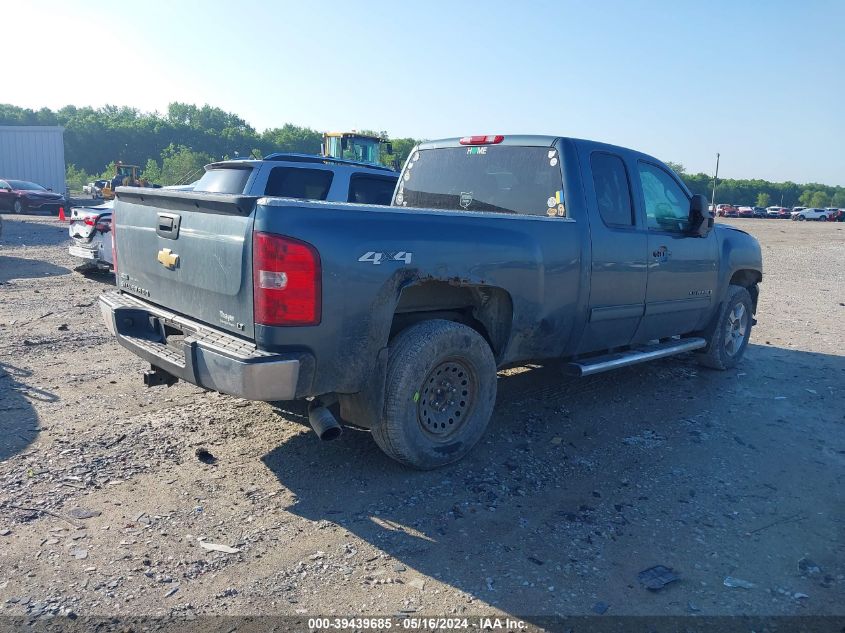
(228, 179)
(499, 178)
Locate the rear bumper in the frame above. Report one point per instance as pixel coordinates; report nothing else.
(200, 355)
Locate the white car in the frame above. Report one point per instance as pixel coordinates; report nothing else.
(90, 232)
(94, 189)
(810, 214)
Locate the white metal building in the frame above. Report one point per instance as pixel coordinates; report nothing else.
(35, 153)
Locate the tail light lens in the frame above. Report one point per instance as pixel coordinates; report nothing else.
(287, 281)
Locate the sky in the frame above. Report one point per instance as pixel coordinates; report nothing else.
(762, 83)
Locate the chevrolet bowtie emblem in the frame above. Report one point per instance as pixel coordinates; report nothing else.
(168, 258)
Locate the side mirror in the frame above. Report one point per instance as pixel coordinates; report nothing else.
(388, 147)
(700, 216)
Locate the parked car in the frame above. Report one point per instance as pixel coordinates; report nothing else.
(810, 214)
(832, 213)
(95, 189)
(837, 216)
(90, 232)
(784, 213)
(745, 212)
(301, 177)
(723, 209)
(777, 212)
(22, 196)
(731, 212)
(495, 251)
(759, 212)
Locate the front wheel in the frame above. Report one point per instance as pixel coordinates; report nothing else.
(18, 207)
(728, 335)
(440, 393)
(801, 218)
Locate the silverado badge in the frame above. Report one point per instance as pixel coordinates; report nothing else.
(168, 258)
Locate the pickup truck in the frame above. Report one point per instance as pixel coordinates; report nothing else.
(495, 251)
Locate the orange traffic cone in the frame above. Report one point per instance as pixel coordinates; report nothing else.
(62, 214)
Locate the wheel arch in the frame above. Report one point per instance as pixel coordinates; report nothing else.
(748, 278)
(486, 309)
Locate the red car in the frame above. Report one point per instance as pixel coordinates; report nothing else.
(21, 196)
(746, 212)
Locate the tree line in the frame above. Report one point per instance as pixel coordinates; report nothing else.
(762, 193)
(173, 145)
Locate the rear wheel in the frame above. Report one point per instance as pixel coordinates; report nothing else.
(440, 393)
(801, 218)
(727, 337)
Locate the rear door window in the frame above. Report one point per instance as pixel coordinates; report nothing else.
(367, 189)
(613, 193)
(499, 178)
(298, 182)
(224, 180)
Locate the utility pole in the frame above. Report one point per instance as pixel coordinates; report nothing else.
(715, 180)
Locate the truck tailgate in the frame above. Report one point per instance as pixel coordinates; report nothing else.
(188, 252)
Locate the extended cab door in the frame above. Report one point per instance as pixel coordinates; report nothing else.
(619, 243)
(682, 268)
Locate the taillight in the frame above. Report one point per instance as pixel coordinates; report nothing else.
(286, 280)
(89, 220)
(482, 140)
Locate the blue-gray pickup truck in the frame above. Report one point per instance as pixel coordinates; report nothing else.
(495, 250)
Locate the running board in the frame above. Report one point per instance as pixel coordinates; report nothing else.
(598, 364)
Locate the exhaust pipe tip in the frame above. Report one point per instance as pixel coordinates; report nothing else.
(324, 423)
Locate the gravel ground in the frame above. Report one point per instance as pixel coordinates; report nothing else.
(578, 486)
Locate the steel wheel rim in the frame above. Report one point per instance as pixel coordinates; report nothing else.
(736, 328)
(446, 399)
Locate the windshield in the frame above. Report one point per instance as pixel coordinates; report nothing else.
(25, 185)
(224, 180)
(506, 179)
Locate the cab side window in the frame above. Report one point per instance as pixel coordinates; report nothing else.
(666, 205)
(613, 194)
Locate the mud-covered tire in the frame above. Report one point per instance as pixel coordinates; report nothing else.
(439, 395)
(728, 335)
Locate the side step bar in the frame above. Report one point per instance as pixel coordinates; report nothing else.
(598, 364)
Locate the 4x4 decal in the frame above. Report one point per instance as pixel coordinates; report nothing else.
(378, 257)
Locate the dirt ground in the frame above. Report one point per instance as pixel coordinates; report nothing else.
(578, 485)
